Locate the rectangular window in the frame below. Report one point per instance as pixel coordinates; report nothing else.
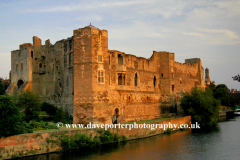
(135, 65)
(101, 76)
(99, 58)
(21, 67)
(120, 59)
(173, 88)
(32, 54)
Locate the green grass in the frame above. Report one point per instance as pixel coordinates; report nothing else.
(149, 121)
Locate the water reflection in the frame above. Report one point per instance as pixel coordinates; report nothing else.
(220, 143)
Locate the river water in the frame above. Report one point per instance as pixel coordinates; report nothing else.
(223, 143)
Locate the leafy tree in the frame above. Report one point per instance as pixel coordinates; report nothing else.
(202, 107)
(30, 103)
(11, 121)
(222, 94)
(2, 87)
(212, 86)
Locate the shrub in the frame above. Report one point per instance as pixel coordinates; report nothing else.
(59, 117)
(30, 103)
(106, 137)
(49, 108)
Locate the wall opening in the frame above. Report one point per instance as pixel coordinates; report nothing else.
(135, 65)
(173, 87)
(101, 76)
(121, 79)
(21, 66)
(120, 59)
(100, 58)
(154, 81)
(20, 83)
(135, 79)
(32, 54)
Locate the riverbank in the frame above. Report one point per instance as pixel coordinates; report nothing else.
(45, 142)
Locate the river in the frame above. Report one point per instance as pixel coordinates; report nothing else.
(220, 144)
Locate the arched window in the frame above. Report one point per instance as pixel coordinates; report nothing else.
(116, 111)
(120, 79)
(135, 79)
(154, 81)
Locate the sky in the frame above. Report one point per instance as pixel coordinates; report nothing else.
(205, 29)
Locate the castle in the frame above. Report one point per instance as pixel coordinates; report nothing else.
(94, 84)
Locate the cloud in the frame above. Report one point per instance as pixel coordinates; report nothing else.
(89, 18)
(192, 34)
(225, 31)
(85, 6)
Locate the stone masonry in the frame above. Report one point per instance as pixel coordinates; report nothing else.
(94, 84)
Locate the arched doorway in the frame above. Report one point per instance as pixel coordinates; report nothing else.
(116, 116)
(20, 83)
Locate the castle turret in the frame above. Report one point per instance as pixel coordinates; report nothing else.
(207, 78)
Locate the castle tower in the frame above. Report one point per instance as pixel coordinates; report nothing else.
(207, 78)
(89, 70)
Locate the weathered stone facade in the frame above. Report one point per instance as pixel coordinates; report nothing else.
(98, 85)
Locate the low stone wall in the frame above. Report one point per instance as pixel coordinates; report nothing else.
(40, 143)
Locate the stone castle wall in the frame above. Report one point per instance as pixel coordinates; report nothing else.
(94, 84)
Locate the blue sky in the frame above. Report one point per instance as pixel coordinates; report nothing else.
(206, 29)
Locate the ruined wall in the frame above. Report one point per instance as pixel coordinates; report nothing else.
(46, 70)
(121, 95)
(80, 75)
(53, 72)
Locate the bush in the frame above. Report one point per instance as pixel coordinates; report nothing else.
(202, 107)
(11, 121)
(59, 117)
(30, 104)
(106, 137)
(79, 141)
(49, 108)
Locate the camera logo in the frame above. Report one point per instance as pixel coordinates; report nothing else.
(59, 125)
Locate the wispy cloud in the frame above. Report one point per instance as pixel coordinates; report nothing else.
(92, 17)
(85, 6)
(192, 34)
(228, 33)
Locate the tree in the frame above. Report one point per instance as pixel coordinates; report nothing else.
(2, 87)
(222, 94)
(11, 121)
(212, 86)
(30, 103)
(202, 107)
